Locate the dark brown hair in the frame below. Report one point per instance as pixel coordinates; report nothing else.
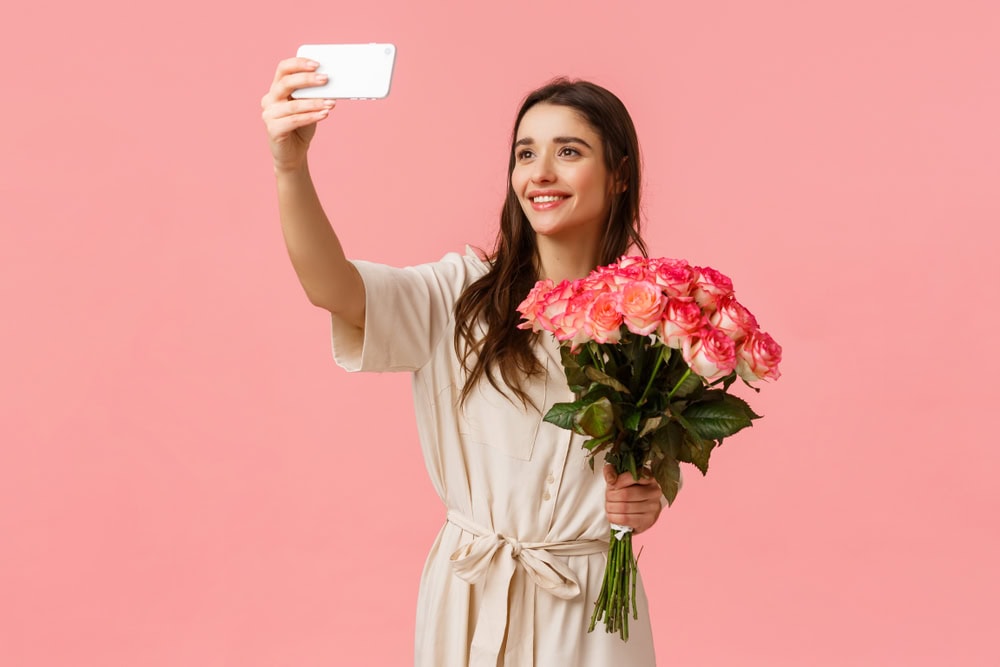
(492, 300)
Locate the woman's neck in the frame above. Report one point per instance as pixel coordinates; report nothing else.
(560, 260)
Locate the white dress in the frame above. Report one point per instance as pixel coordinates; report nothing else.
(517, 566)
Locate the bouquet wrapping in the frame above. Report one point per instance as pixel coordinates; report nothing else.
(650, 348)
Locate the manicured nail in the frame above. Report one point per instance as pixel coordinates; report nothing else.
(312, 63)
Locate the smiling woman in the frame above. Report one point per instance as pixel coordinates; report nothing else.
(514, 572)
(562, 183)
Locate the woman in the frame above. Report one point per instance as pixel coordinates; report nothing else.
(514, 572)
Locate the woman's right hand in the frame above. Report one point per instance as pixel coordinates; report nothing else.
(291, 123)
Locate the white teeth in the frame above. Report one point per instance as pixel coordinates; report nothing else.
(546, 199)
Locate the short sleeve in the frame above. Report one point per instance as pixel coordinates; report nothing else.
(407, 311)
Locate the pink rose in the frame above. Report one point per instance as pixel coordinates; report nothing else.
(673, 275)
(758, 357)
(682, 319)
(532, 304)
(617, 277)
(604, 321)
(570, 325)
(642, 305)
(712, 355)
(552, 305)
(633, 272)
(631, 264)
(710, 286)
(605, 280)
(733, 319)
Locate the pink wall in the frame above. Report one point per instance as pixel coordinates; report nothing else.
(184, 476)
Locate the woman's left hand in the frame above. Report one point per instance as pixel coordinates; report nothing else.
(630, 502)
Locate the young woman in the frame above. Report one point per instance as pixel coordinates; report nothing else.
(514, 573)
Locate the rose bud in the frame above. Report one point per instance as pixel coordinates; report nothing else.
(603, 323)
(712, 355)
(758, 357)
(733, 319)
(642, 305)
(710, 286)
(682, 319)
(532, 304)
(674, 276)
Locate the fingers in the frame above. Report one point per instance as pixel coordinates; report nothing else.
(284, 110)
(631, 502)
(636, 493)
(293, 65)
(291, 75)
(626, 479)
(286, 117)
(609, 474)
(637, 516)
(636, 513)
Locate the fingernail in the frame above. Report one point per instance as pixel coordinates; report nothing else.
(312, 63)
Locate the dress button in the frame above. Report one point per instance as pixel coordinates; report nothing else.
(550, 479)
(547, 496)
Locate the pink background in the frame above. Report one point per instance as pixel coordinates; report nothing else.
(186, 478)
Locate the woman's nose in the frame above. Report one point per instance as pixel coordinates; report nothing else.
(542, 170)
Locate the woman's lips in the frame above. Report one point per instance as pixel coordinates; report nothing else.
(547, 202)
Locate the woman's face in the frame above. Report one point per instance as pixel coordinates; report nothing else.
(559, 174)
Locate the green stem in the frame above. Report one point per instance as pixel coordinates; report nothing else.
(597, 356)
(652, 376)
(679, 383)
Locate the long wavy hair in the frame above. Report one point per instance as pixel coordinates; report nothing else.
(490, 303)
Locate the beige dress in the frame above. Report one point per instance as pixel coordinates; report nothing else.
(514, 572)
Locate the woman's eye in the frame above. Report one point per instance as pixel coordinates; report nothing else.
(569, 151)
(524, 154)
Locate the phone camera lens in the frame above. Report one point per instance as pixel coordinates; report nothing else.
(388, 50)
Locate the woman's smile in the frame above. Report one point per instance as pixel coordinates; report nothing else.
(546, 200)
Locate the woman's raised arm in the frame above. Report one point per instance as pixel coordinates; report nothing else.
(329, 280)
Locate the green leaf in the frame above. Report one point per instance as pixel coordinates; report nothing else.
(604, 378)
(667, 440)
(562, 414)
(719, 418)
(667, 472)
(575, 376)
(695, 450)
(597, 442)
(596, 420)
(631, 422)
(595, 391)
(736, 400)
(650, 425)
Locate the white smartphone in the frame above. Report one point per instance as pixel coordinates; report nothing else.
(356, 71)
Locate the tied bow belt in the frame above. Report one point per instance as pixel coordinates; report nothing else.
(491, 559)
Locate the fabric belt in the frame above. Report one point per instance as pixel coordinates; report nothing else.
(491, 559)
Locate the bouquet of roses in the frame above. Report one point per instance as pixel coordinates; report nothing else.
(650, 348)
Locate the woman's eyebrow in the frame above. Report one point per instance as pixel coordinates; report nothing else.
(527, 141)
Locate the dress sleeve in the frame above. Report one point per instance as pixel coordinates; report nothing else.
(407, 311)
